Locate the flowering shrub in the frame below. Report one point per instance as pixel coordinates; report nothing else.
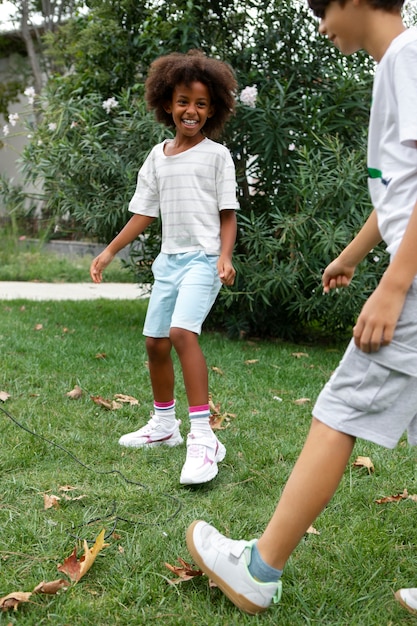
(297, 140)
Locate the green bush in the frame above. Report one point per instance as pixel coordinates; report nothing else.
(299, 149)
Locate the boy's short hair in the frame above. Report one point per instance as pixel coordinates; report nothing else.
(391, 6)
(168, 71)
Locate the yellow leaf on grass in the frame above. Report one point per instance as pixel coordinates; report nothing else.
(299, 355)
(50, 501)
(76, 393)
(4, 396)
(76, 569)
(302, 401)
(364, 461)
(127, 399)
(12, 600)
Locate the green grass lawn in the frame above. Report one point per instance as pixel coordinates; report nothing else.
(344, 576)
(19, 262)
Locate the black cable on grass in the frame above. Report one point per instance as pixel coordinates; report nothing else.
(112, 514)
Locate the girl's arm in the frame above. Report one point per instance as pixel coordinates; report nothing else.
(135, 226)
(228, 229)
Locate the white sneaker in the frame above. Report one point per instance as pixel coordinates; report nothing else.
(203, 454)
(226, 561)
(153, 434)
(408, 599)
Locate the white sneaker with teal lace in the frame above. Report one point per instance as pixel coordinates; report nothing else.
(225, 561)
(408, 599)
(203, 454)
(153, 434)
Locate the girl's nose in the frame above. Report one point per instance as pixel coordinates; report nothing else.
(322, 27)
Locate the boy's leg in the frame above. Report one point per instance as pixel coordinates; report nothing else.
(311, 485)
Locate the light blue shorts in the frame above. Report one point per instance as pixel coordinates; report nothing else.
(185, 288)
(374, 396)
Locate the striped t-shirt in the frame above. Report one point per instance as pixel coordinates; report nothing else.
(188, 190)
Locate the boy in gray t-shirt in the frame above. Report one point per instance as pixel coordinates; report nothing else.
(373, 393)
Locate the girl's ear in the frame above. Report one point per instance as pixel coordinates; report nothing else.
(212, 111)
(167, 107)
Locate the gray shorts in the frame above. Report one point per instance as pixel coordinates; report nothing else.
(374, 396)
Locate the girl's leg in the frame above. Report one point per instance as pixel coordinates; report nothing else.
(193, 365)
(161, 368)
(312, 483)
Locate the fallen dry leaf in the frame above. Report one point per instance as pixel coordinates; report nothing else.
(106, 404)
(51, 587)
(126, 399)
(38, 327)
(12, 600)
(75, 393)
(396, 498)
(50, 501)
(302, 401)
(312, 531)
(251, 361)
(101, 355)
(217, 370)
(4, 396)
(364, 461)
(299, 355)
(184, 573)
(76, 569)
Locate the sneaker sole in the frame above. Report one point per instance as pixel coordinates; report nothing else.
(153, 444)
(238, 599)
(399, 599)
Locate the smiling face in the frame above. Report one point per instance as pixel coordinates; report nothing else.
(190, 108)
(342, 25)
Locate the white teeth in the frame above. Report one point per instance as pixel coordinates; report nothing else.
(190, 122)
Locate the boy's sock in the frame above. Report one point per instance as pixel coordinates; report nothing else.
(165, 412)
(261, 571)
(200, 420)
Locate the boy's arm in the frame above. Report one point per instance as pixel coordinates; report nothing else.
(228, 229)
(379, 316)
(340, 271)
(134, 227)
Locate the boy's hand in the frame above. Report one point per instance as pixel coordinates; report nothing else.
(377, 320)
(337, 274)
(99, 264)
(226, 271)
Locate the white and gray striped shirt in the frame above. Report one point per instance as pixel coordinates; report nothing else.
(188, 190)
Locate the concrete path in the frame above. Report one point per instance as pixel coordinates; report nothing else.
(10, 290)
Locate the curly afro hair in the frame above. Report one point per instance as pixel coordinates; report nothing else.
(166, 72)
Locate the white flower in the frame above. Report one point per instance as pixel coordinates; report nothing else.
(30, 94)
(52, 126)
(73, 125)
(6, 130)
(109, 104)
(13, 118)
(291, 147)
(376, 259)
(248, 96)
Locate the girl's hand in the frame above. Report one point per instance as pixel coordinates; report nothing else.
(226, 271)
(99, 264)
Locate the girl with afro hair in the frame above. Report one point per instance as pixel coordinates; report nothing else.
(189, 182)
